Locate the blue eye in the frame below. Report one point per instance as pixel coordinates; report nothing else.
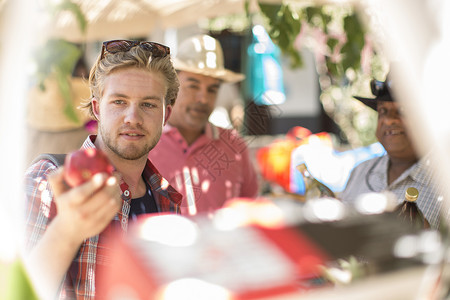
(148, 105)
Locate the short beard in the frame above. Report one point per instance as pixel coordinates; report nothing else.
(131, 152)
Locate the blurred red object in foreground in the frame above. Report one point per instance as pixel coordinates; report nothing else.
(248, 262)
(274, 160)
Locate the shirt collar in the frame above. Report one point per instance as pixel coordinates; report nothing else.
(421, 168)
(89, 142)
(211, 131)
(420, 171)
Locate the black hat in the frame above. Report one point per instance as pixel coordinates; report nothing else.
(381, 90)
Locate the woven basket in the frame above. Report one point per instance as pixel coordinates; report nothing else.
(45, 110)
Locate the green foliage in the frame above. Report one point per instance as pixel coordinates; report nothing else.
(316, 17)
(285, 24)
(69, 6)
(355, 42)
(284, 28)
(14, 282)
(338, 38)
(57, 57)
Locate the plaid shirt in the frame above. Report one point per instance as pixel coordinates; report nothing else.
(371, 176)
(79, 281)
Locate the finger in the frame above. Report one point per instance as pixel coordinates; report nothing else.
(108, 197)
(56, 181)
(117, 175)
(84, 192)
(106, 214)
(112, 188)
(100, 212)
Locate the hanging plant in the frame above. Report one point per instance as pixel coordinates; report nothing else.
(339, 41)
(285, 26)
(56, 59)
(341, 32)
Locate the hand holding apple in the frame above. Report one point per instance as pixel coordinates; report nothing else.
(81, 165)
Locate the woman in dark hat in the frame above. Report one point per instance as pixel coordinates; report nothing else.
(401, 167)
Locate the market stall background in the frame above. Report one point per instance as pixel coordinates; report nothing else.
(331, 34)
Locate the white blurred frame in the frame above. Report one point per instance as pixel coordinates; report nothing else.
(415, 31)
(16, 22)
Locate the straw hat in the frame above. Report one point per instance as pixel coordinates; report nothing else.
(45, 109)
(202, 54)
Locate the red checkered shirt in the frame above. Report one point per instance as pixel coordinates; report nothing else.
(80, 280)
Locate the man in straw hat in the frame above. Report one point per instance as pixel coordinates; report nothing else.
(207, 164)
(133, 87)
(401, 167)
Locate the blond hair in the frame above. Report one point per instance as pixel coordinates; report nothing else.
(135, 57)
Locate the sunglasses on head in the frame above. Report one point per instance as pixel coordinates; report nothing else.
(115, 46)
(379, 88)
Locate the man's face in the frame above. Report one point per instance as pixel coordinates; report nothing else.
(131, 112)
(391, 131)
(195, 102)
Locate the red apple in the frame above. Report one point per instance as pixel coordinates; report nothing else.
(81, 165)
